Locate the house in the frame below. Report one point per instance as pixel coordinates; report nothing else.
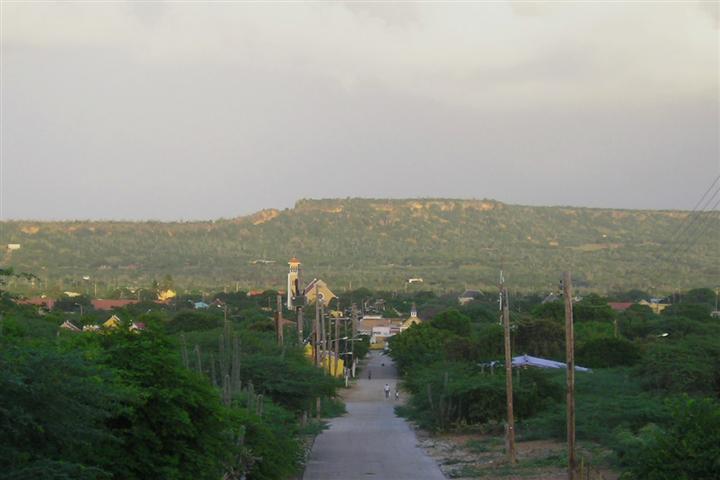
(68, 325)
(468, 296)
(13, 246)
(323, 291)
(41, 302)
(91, 328)
(112, 322)
(551, 298)
(655, 306)
(620, 306)
(137, 326)
(379, 329)
(413, 320)
(100, 304)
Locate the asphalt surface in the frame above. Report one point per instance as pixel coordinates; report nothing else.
(370, 442)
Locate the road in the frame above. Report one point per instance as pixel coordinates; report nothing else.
(370, 442)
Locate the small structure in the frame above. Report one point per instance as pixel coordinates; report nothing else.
(91, 328)
(137, 326)
(550, 298)
(68, 325)
(13, 246)
(468, 296)
(201, 305)
(100, 304)
(654, 305)
(529, 361)
(620, 306)
(112, 322)
(323, 291)
(415, 280)
(413, 320)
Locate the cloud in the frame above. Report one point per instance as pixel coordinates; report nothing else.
(190, 110)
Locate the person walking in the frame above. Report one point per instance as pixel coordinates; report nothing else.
(387, 391)
(369, 374)
(397, 393)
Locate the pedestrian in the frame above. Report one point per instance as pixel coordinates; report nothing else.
(397, 394)
(369, 374)
(387, 391)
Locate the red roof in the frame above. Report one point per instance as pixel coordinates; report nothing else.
(38, 301)
(110, 304)
(620, 306)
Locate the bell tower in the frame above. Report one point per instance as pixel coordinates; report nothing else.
(293, 282)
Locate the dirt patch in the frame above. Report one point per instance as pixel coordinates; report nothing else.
(468, 456)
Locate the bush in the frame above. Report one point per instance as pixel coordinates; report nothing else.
(689, 365)
(608, 352)
(686, 448)
(451, 394)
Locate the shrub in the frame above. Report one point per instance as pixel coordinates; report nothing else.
(686, 448)
(608, 352)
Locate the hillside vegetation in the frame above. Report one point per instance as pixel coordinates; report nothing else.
(451, 244)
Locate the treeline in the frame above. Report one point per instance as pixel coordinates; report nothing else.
(651, 399)
(375, 243)
(193, 395)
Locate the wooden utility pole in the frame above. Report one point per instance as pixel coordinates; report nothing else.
(316, 330)
(570, 354)
(354, 334)
(337, 346)
(300, 294)
(323, 333)
(279, 321)
(510, 434)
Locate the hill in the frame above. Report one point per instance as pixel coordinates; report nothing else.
(451, 244)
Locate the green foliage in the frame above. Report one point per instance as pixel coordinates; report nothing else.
(53, 407)
(192, 320)
(687, 365)
(174, 427)
(608, 352)
(391, 241)
(540, 337)
(705, 296)
(694, 311)
(462, 394)
(419, 345)
(685, 448)
(607, 401)
(452, 321)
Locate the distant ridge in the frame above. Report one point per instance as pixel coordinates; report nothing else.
(377, 243)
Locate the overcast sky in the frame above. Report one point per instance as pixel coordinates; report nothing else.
(185, 110)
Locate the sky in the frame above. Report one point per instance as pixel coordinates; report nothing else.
(202, 110)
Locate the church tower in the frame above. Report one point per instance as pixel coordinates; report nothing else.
(293, 282)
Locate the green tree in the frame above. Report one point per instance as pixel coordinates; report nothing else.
(452, 321)
(687, 448)
(175, 426)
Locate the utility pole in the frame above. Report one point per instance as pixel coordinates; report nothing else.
(316, 330)
(323, 333)
(300, 293)
(278, 320)
(337, 346)
(354, 334)
(570, 354)
(510, 434)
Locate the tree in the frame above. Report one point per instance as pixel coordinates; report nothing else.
(53, 409)
(687, 448)
(608, 352)
(175, 426)
(452, 321)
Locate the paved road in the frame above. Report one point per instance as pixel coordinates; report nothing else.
(370, 442)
